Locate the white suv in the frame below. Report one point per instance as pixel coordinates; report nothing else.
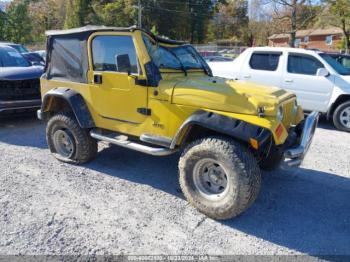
(319, 81)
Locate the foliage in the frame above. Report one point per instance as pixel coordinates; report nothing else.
(337, 13)
(17, 24)
(79, 13)
(197, 21)
(45, 15)
(294, 14)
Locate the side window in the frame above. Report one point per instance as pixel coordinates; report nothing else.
(264, 61)
(305, 65)
(109, 51)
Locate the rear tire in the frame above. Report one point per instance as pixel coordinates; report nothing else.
(219, 177)
(68, 142)
(341, 117)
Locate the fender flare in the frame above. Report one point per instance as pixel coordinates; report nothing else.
(235, 128)
(74, 100)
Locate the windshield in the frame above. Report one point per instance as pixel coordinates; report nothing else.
(20, 48)
(11, 58)
(335, 65)
(180, 57)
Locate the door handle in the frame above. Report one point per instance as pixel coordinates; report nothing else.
(97, 79)
(247, 76)
(288, 80)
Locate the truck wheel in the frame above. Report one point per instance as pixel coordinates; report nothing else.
(341, 117)
(68, 142)
(273, 160)
(219, 177)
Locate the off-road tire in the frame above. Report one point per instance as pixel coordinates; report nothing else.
(337, 115)
(85, 147)
(242, 171)
(273, 160)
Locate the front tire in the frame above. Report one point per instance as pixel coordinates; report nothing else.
(219, 177)
(68, 142)
(341, 117)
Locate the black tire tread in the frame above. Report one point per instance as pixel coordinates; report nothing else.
(86, 146)
(246, 165)
(336, 113)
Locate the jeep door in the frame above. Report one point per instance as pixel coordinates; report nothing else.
(114, 67)
(313, 92)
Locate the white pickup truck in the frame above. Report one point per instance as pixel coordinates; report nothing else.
(319, 81)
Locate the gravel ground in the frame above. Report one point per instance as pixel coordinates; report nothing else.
(129, 203)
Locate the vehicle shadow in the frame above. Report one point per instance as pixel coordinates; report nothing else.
(326, 124)
(22, 130)
(301, 209)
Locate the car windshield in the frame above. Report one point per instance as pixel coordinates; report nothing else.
(339, 68)
(20, 48)
(180, 57)
(9, 57)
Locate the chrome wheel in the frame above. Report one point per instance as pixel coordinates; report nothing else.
(210, 179)
(345, 117)
(64, 143)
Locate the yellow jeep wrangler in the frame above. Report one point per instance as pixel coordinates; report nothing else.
(157, 96)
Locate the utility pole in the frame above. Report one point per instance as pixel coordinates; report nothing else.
(139, 6)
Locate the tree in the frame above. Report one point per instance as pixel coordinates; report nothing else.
(337, 13)
(46, 15)
(200, 14)
(297, 14)
(171, 18)
(18, 25)
(116, 13)
(231, 21)
(2, 25)
(79, 13)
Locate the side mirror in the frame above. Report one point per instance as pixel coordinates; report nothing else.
(322, 72)
(123, 63)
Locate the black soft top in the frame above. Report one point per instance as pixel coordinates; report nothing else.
(67, 54)
(90, 29)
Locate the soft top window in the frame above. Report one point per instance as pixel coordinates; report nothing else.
(68, 58)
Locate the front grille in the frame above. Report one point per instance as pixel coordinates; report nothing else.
(288, 114)
(19, 89)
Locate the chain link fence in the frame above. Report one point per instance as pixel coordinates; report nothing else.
(220, 50)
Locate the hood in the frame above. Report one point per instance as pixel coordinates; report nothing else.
(228, 95)
(346, 78)
(342, 82)
(20, 73)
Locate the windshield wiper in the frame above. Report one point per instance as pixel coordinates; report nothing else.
(178, 59)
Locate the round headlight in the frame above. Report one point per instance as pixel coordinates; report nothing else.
(280, 114)
(295, 108)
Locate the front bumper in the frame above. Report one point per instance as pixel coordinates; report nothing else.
(295, 155)
(7, 106)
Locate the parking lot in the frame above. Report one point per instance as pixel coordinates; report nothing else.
(129, 203)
